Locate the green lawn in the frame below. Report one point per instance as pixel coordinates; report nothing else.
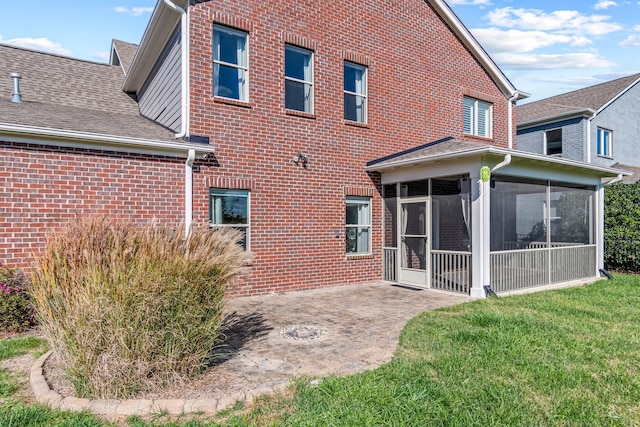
(566, 357)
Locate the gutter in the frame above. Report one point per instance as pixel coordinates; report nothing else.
(50, 136)
(184, 113)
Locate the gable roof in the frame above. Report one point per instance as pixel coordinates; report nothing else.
(122, 54)
(69, 94)
(450, 148)
(587, 101)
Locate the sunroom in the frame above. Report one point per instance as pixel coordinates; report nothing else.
(472, 218)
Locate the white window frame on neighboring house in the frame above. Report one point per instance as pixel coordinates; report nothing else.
(306, 79)
(547, 142)
(217, 219)
(360, 230)
(604, 142)
(478, 117)
(240, 65)
(355, 93)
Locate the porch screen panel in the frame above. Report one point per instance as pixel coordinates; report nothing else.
(518, 219)
(571, 216)
(390, 216)
(451, 214)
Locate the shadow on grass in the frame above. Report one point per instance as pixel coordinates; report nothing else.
(237, 330)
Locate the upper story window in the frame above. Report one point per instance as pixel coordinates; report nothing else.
(230, 64)
(553, 142)
(477, 117)
(358, 225)
(604, 142)
(355, 92)
(298, 84)
(230, 208)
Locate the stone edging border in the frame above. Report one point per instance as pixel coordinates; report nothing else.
(128, 407)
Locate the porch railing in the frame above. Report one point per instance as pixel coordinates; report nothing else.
(522, 269)
(451, 271)
(389, 266)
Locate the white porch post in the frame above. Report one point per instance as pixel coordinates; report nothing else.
(599, 229)
(479, 234)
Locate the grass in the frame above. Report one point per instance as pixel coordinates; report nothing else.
(566, 357)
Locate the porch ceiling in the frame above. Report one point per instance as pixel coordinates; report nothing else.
(450, 149)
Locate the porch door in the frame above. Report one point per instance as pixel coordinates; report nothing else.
(414, 251)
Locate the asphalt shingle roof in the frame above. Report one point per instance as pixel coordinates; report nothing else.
(594, 97)
(70, 94)
(126, 52)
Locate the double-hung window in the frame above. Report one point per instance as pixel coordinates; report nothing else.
(604, 142)
(355, 92)
(477, 117)
(298, 79)
(358, 225)
(230, 64)
(230, 208)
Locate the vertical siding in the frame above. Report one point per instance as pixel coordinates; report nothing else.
(160, 97)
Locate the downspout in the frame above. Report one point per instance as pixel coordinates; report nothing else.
(614, 180)
(184, 37)
(188, 191)
(510, 124)
(505, 162)
(184, 114)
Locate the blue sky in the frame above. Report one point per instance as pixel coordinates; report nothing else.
(544, 47)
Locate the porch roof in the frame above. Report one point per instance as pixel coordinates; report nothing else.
(450, 149)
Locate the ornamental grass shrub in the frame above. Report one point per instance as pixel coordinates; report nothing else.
(16, 314)
(133, 309)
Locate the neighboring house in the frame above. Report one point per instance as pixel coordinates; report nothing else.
(349, 142)
(598, 124)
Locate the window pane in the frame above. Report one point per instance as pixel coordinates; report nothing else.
(297, 64)
(354, 79)
(230, 208)
(484, 119)
(468, 115)
(554, 141)
(228, 82)
(230, 47)
(296, 96)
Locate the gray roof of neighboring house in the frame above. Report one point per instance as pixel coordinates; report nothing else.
(126, 52)
(592, 97)
(634, 170)
(71, 95)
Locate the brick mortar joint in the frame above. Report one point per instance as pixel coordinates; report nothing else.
(142, 406)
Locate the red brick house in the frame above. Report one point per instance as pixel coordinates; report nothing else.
(346, 140)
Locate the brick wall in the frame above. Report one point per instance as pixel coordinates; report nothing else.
(418, 73)
(43, 187)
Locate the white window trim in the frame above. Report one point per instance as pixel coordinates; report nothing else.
(474, 118)
(245, 94)
(545, 145)
(309, 83)
(247, 226)
(362, 201)
(364, 96)
(610, 143)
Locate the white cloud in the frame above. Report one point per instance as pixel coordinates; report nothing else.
(102, 55)
(559, 21)
(134, 11)
(604, 4)
(551, 61)
(496, 40)
(632, 41)
(42, 44)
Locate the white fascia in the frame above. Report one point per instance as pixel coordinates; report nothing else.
(66, 138)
